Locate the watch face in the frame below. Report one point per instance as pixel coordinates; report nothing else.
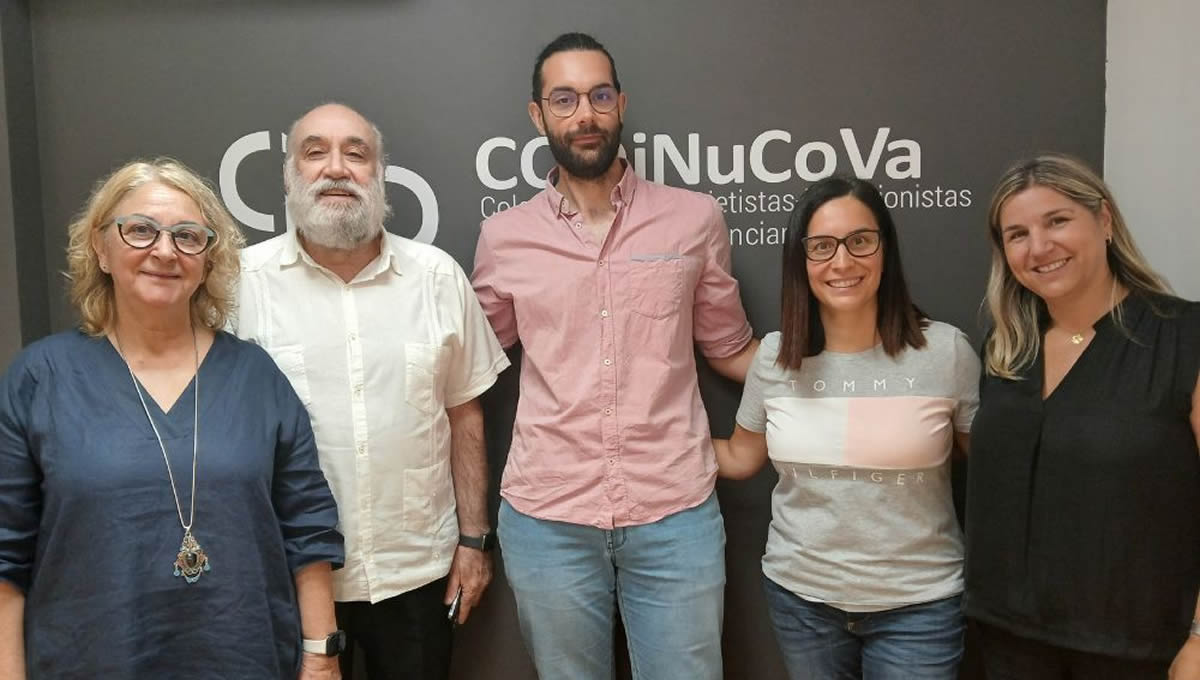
(336, 643)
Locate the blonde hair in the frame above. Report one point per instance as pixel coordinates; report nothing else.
(91, 289)
(1015, 310)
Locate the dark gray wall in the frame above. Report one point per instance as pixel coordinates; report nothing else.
(973, 85)
(24, 309)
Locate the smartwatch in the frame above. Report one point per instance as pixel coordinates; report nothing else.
(485, 542)
(332, 645)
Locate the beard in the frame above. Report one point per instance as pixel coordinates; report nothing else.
(589, 164)
(338, 226)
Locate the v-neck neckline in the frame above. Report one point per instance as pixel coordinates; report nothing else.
(1103, 328)
(126, 376)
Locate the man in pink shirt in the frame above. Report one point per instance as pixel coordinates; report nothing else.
(609, 282)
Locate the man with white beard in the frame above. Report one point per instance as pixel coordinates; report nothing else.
(385, 343)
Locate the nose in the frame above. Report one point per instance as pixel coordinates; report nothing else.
(1040, 241)
(335, 168)
(584, 113)
(841, 256)
(163, 246)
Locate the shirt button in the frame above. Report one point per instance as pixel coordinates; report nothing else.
(607, 411)
(608, 362)
(601, 263)
(362, 449)
(353, 337)
(358, 390)
(579, 225)
(604, 313)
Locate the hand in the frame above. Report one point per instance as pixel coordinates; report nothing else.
(1186, 665)
(319, 667)
(471, 569)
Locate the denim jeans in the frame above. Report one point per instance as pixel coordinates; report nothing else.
(820, 642)
(667, 577)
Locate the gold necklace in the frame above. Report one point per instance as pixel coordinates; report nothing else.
(1077, 339)
(191, 560)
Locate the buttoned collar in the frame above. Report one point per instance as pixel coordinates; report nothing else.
(293, 253)
(622, 193)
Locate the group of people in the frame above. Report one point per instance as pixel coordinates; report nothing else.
(148, 528)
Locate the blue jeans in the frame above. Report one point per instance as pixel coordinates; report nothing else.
(668, 578)
(820, 642)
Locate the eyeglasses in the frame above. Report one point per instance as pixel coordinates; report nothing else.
(141, 232)
(563, 101)
(859, 243)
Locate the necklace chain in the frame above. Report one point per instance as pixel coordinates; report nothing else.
(187, 526)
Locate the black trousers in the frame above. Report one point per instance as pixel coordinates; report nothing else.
(1011, 657)
(406, 637)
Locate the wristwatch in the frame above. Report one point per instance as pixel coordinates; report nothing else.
(332, 645)
(485, 542)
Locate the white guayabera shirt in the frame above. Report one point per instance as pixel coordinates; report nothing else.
(377, 362)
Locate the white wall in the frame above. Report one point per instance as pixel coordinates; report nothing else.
(1152, 134)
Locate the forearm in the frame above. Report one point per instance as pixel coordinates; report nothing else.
(469, 467)
(736, 365)
(314, 595)
(741, 456)
(12, 632)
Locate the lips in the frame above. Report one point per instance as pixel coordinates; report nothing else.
(1051, 266)
(845, 283)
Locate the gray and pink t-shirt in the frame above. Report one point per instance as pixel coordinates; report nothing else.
(862, 517)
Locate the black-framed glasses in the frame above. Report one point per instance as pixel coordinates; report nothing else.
(563, 101)
(861, 243)
(141, 232)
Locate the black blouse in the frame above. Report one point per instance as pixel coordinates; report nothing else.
(1083, 509)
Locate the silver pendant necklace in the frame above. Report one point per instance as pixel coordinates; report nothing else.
(191, 560)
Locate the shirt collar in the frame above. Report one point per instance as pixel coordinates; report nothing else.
(293, 253)
(622, 193)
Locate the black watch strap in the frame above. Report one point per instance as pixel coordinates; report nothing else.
(485, 542)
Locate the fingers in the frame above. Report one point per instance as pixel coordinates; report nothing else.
(473, 570)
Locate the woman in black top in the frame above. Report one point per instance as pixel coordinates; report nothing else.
(1083, 520)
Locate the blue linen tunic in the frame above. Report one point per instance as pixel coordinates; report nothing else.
(89, 529)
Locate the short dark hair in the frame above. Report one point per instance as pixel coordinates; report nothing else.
(899, 322)
(568, 42)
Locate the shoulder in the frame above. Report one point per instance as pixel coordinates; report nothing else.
(258, 255)
(768, 350)
(941, 336)
(43, 357)
(515, 219)
(428, 258)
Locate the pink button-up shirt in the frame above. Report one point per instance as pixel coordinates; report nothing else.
(610, 429)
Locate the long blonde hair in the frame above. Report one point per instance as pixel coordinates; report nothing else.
(1015, 310)
(92, 289)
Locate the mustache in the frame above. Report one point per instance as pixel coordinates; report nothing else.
(593, 130)
(321, 186)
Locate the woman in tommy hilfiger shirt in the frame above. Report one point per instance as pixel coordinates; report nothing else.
(858, 402)
(1083, 500)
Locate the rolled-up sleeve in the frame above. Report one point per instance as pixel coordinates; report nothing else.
(20, 477)
(303, 502)
(719, 321)
(497, 305)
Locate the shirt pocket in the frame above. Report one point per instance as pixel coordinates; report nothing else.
(655, 284)
(290, 360)
(420, 376)
(427, 497)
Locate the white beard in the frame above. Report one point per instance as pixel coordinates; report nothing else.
(341, 226)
